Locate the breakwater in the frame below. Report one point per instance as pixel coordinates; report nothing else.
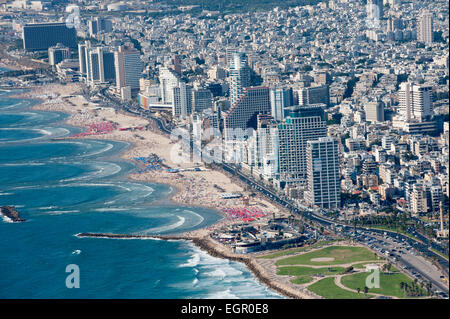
(216, 250)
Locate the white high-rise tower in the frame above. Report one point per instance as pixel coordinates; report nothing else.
(415, 101)
(323, 173)
(239, 76)
(425, 28)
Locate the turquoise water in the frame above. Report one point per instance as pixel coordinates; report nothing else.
(63, 188)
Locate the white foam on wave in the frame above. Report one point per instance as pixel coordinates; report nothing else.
(195, 282)
(60, 212)
(5, 194)
(30, 115)
(216, 273)
(121, 238)
(139, 190)
(111, 209)
(193, 261)
(10, 106)
(6, 219)
(103, 169)
(160, 229)
(225, 294)
(44, 132)
(23, 164)
(200, 217)
(103, 150)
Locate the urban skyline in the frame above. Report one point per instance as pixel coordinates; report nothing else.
(320, 124)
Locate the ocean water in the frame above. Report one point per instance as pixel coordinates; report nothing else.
(66, 187)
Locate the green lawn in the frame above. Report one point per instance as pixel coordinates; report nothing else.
(389, 283)
(341, 255)
(300, 280)
(296, 250)
(301, 271)
(328, 289)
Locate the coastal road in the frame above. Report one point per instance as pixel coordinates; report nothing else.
(414, 262)
(407, 260)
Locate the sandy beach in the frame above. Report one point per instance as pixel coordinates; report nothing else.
(193, 188)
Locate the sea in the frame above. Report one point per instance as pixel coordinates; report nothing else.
(65, 187)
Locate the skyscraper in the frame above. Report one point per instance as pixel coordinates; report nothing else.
(99, 65)
(279, 99)
(99, 24)
(128, 67)
(374, 111)
(58, 53)
(242, 114)
(425, 28)
(415, 101)
(182, 100)
(168, 80)
(302, 124)
(314, 95)
(41, 36)
(239, 76)
(261, 153)
(377, 5)
(202, 99)
(323, 173)
(82, 58)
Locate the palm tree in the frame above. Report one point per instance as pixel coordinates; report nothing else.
(388, 267)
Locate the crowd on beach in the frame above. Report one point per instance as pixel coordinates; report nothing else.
(193, 188)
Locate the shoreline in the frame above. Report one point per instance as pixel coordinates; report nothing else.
(210, 247)
(188, 188)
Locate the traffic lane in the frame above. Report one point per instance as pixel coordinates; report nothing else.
(426, 269)
(262, 188)
(418, 264)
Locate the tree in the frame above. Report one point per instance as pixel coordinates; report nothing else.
(366, 290)
(388, 267)
(358, 290)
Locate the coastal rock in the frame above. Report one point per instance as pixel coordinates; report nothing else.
(11, 213)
